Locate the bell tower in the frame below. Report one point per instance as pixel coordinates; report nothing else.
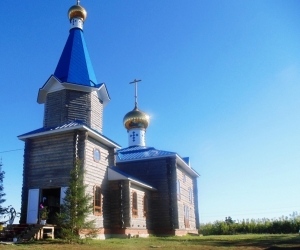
(73, 93)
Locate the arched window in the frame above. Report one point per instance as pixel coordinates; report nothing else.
(97, 201)
(145, 205)
(134, 205)
(190, 195)
(97, 155)
(186, 216)
(178, 190)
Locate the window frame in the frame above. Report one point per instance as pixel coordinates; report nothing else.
(145, 205)
(190, 195)
(134, 204)
(96, 207)
(97, 149)
(186, 216)
(178, 190)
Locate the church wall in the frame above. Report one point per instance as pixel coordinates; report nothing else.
(65, 106)
(186, 182)
(119, 193)
(96, 113)
(139, 221)
(47, 163)
(161, 174)
(96, 175)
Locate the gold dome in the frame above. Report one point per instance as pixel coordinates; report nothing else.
(77, 11)
(136, 119)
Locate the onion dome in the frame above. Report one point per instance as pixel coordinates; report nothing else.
(136, 119)
(77, 11)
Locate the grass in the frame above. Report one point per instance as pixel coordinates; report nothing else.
(230, 242)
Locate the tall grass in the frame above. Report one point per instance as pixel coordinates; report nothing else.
(282, 225)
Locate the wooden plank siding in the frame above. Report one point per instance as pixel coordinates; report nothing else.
(161, 174)
(96, 113)
(65, 106)
(120, 208)
(48, 161)
(139, 221)
(186, 182)
(96, 174)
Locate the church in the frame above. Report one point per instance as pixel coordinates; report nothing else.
(137, 190)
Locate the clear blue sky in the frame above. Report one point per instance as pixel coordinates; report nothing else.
(220, 79)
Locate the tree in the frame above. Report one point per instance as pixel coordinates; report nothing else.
(76, 207)
(2, 194)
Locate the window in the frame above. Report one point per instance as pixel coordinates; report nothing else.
(97, 201)
(134, 205)
(184, 178)
(186, 216)
(145, 205)
(190, 195)
(97, 155)
(178, 190)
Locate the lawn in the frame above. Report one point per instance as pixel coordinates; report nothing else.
(236, 242)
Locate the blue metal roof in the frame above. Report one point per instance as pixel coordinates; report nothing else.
(66, 125)
(141, 152)
(75, 65)
(128, 175)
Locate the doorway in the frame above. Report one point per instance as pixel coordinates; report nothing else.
(50, 197)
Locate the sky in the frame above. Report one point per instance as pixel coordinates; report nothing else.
(220, 80)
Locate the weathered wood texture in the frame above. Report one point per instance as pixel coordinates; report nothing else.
(119, 204)
(65, 106)
(161, 174)
(196, 205)
(139, 221)
(47, 163)
(186, 183)
(24, 194)
(96, 174)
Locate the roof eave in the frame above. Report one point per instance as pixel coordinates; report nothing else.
(181, 162)
(92, 133)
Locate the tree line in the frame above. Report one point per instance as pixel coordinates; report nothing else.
(283, 225)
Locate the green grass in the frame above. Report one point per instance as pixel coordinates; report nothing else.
(230, 242)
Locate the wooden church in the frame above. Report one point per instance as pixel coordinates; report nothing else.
(137, 190)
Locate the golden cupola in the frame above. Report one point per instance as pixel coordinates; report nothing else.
(77, 15)
(136, 119)
(136, 123)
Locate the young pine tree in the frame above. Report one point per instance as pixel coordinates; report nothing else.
(2, 194)
(76, 207)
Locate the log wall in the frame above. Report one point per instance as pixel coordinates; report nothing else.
(48, 161)
(96, 174)
(161, 174)
(68, 105)
(120, 204)
(139, 221)
(186, 182)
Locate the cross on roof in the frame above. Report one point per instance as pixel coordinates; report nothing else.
(78, 2)
(135, 81)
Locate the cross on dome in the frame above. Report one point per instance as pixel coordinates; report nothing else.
(135, 81)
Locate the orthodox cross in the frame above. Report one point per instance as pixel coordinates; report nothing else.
(135, 81)
(78, 2)
(133, 135)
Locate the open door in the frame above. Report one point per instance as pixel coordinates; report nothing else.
(33, 206)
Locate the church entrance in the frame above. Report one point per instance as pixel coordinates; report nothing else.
(50, 198)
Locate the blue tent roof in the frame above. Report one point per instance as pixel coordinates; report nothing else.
(75, 65)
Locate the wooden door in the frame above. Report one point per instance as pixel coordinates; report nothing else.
(33, 206)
